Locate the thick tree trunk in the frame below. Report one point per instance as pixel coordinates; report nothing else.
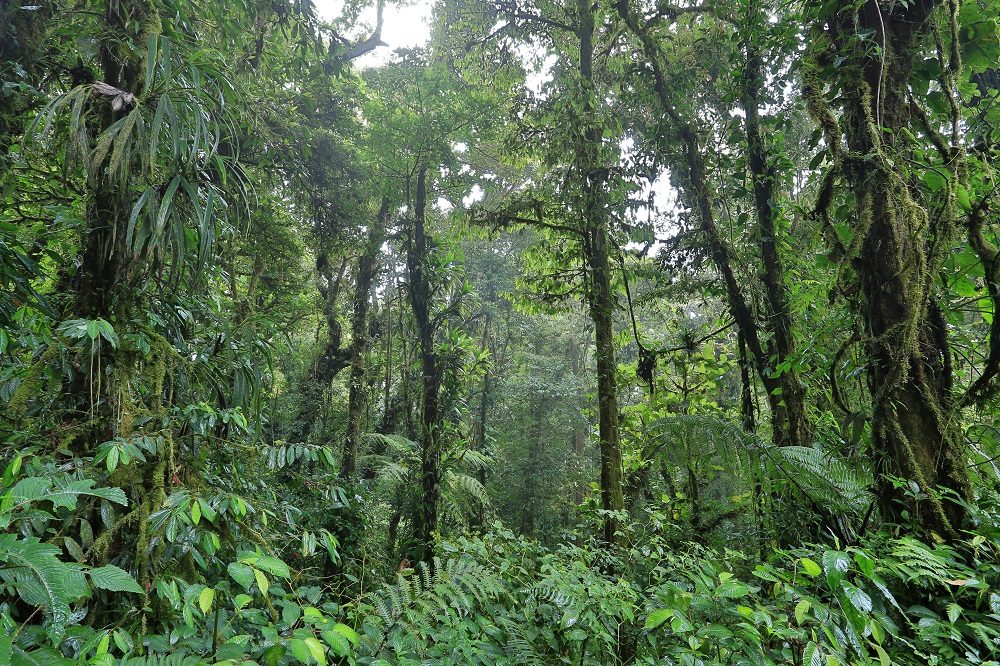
(367, 269)
(600, 295)
(108, 284)
(915, 431)
(419, 286)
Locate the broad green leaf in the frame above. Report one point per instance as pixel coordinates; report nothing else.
(658, 617)
(113, 579)
(858, 598)
(811, 655)
(271, 565)
(835, 563)
(242, 574)
(300, 650)
(346, 632)
(205, 599)
(810, 567)
(338, 644)
(732, 589)
(262, 583)
(316, 650)
(801, 609)
(962, 197)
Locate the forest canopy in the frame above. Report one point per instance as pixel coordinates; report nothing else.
(614, 332)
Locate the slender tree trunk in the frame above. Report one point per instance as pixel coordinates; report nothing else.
(419, 286)
(746, 388)
(701, 200)
(600, 295)
(788, 408)
(367, 269)
(578, 362)
(479, 433)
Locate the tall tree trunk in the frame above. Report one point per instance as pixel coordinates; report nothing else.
(600, 295)
(701, 200)
(419, 287)
(746, 388)
(102, 288)
(367, 269)
(581, 429)
(479, 432)
(109, 279)
(21, 44)
(901, 247)
(788, 408)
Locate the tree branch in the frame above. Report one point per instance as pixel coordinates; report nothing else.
(373, 42)
(510, 8)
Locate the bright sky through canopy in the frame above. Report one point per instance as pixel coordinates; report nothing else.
(404, 25)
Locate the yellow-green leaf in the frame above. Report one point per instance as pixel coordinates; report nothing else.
(205, 599)
(962, 196)
(262, 583)
(346, 632)
(658, 617)
(801, 609)
(300, 650)
(810, 567)
(316, 650)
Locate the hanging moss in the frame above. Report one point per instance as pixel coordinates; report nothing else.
(896, 251)
(31, 383)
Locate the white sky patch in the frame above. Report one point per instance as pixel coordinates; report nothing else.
(404, 26)
(475, 195)
(538, 69)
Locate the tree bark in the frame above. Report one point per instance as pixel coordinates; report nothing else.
(788, 409)
(915, 432)
(479, 432)
(367, 269)
(419, 289)
(789, 426)
(600, 296)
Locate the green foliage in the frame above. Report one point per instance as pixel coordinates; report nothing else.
(189, 220)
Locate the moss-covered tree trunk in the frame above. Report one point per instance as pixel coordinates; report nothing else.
(419, 289)
(479, 428)
(600, 295)
(785, 394)
(108, 284)
(897, 251)
(788, 406)
(103, 280)
(367, 269)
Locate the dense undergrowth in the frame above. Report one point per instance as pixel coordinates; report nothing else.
(489, 598)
